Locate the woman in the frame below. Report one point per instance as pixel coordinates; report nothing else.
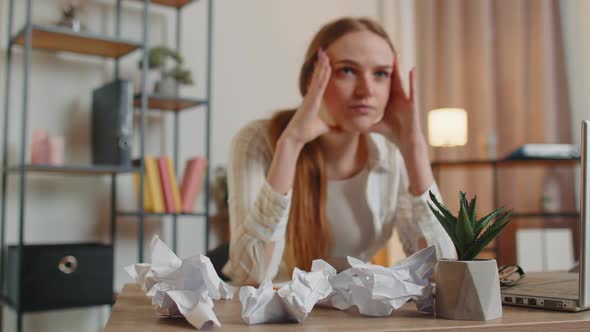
(332, 178)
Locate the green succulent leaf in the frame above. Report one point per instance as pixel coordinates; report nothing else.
(467, 207)
(448, 225)
(469, 235)
(472, 212)
(483, 222)
(487, 237)
(443, 209)
(463, 228)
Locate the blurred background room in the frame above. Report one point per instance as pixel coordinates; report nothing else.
(508, 73)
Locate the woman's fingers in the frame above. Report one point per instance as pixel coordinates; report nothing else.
(321, 77)
(397, 87)
(325, 73)
(412, 82)
(396, 81)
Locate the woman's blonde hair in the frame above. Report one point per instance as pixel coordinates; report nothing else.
(308, 231)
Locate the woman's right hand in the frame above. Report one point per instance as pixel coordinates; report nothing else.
(307, 124)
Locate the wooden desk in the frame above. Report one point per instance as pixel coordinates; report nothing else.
(134, 312)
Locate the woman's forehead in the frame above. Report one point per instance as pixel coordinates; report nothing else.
(362, 47)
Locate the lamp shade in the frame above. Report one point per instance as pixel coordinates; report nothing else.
(447, 127)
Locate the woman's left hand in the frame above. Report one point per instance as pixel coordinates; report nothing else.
(401, 121)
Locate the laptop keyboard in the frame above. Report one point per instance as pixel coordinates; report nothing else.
(553, 289)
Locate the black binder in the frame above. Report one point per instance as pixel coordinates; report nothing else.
(112, 123)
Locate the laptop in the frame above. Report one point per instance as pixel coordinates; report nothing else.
(563, 291)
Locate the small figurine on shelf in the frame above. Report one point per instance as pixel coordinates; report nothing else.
(69, 17)
(169, 78)
(47, 149)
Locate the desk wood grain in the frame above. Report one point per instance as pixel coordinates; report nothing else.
(133, 312)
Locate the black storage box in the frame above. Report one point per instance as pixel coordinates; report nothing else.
(60, 276)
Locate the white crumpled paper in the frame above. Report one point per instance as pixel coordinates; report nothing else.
(374, 289)
(181, 287)
(292, 302)
(377, 290)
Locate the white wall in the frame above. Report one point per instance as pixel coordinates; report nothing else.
(258, 47)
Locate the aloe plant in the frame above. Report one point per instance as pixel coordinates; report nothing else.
(469, 235)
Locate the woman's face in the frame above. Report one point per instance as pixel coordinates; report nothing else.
(358, 89)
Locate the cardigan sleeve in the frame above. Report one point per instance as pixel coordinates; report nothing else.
(414, 219)
(258, 215)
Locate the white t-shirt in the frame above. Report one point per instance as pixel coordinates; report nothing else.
(350, 216)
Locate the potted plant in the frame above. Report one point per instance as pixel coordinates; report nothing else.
(169, 78)
(69, 16)
(468, 288)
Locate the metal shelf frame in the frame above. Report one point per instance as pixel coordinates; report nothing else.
(143, 101)
(503, 164)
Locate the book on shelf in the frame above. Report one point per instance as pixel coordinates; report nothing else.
(148, 205)
(166, 184)
(545, 151)
(174, 185)
(192, 181)
(153, 180)
(147, 198)
(162, 190)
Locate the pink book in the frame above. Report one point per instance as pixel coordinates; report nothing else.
(190, 164)
(192, 180)
(166, 185)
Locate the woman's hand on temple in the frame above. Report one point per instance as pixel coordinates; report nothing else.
(306, 124)
(401, 125)
(401, 120)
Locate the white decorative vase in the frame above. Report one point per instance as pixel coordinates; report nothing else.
(468, 290)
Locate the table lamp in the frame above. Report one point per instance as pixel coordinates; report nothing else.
(447, 127)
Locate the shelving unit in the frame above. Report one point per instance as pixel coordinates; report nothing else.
(174, 106)
(59, 39)
(505, 247)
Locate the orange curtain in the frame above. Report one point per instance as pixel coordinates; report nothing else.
(503, 62)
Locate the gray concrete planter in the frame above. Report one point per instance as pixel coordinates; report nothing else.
(468, 290)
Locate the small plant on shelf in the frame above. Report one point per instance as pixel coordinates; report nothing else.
(69, 16)
(158, 59)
